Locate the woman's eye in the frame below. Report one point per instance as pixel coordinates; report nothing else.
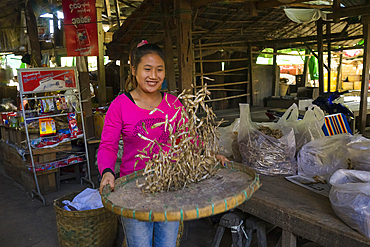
(160, 70)
(147, 69)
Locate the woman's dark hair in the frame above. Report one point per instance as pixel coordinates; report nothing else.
(135, 58)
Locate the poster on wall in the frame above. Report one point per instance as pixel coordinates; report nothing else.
(80, 27)
(47, 79)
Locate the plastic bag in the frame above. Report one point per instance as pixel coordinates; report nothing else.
(307, 129)
(227, 136)
(350, 196)
(266, 154)
(359, 153)
(86, 200)
(322, 157)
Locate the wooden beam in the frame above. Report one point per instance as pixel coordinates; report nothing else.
(250, 9)
(320, 46)
(296, 40)
(170, 65)
(357, 10)
(261, 5)
(365, 73)
(102, 94)
(328, 34)
(108, 11)
(250, 73)
(33, 34)
(184, 43)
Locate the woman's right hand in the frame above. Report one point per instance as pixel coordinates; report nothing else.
(108, 178)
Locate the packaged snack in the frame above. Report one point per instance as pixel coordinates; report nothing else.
(72, 122)
(47, 105)
(47, 126)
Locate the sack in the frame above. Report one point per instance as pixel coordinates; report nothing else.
(359, 153)
(266, 154)
(350, 196)
(228, 135)
(307, 129)
(322, 157)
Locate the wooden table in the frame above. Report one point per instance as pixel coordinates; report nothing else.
(301, 212)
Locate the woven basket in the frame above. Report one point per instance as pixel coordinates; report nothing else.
(97, 227)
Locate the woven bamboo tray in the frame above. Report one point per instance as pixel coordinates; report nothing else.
(230, 187)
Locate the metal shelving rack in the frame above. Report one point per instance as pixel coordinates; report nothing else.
(46, 76)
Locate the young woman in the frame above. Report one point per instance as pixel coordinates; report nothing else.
(128, 116)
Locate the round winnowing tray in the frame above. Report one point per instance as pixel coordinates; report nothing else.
(228, 188)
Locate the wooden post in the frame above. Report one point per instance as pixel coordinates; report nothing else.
(320, 56)
(201, 63)
(102, 94)
(123, 73)
(328, 33)
(57, 42)
(33, 33)
(305, 68)
(275, 79)
(365, 73)
(184, 43)
(250, 78)
(170, 65)
(339, 72)
(84, 79)
(288, 239)
(336, 8)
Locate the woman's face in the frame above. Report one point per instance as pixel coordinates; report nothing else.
(150, 73)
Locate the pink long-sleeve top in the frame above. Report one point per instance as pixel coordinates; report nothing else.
(126, 119)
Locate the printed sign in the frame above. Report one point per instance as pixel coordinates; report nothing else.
(80, 27)
(47, 79)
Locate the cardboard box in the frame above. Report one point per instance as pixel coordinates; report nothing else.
(354, 78)
(347, 85)
(357, 85)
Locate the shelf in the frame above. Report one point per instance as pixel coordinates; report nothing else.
(58, 148)
(52, 96)
(56, 144)
(58, 164)
(51, 115)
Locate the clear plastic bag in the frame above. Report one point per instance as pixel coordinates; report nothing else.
(266, 154)
(228, 135)
(350, 196)
(307, 129)
(322, 157)
(86, 200)
(359, 153)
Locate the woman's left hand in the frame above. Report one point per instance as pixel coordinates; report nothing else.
(222, 158)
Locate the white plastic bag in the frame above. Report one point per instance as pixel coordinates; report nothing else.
(322, 157)
(307, 129)
(350, 197)
(267, 155)
(359, 153)
(228, 134)
(86, 200)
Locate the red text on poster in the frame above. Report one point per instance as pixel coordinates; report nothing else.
(80, 27)
(48, 80)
